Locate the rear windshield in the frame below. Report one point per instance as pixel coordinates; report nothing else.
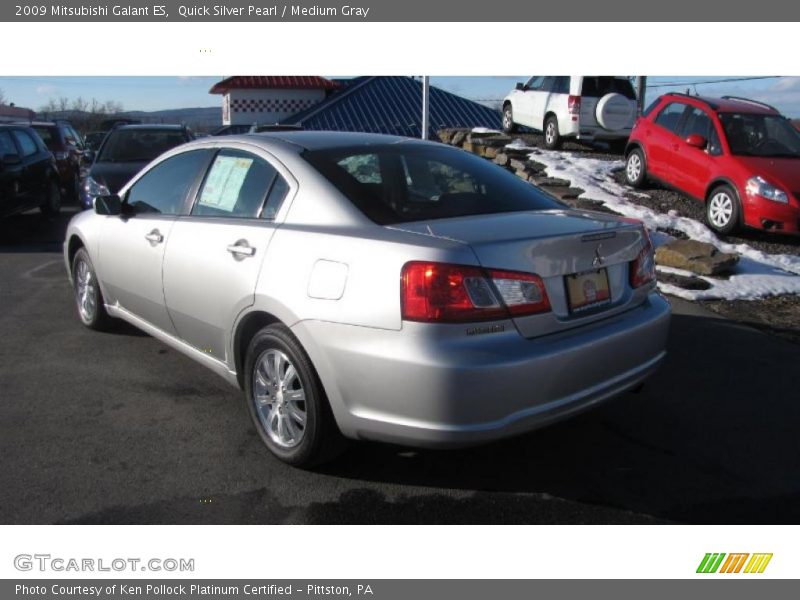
(401, 183)
(139, 145)
(597, 87)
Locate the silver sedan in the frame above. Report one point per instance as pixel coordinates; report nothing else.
(372, 287)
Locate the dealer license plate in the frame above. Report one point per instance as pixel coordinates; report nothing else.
(587, 290)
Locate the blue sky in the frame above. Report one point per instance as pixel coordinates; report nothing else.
(154, 93)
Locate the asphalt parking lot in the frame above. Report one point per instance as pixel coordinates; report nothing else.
(117, 428)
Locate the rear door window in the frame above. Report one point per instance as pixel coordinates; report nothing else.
(26, 143)
(236, 185)
(697, 122)
(277, 194)
(670, 117)
(7, 145)
(561, 85)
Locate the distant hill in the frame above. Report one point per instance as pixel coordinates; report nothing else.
(200, 118)
(210, 116)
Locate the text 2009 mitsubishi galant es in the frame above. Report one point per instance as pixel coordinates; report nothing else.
(373, 287)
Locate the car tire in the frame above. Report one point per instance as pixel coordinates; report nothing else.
(508, 119)
(286, 400)
(552, 137)
(723, 210)
(52, 203)
(635, 168)
(88, 297)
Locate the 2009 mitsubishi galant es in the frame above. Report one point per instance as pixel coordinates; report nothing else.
(372, 287)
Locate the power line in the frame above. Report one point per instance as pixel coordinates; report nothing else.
(709, 81)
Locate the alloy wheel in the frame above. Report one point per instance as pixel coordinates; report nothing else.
(507, 123)
(550, 133)
(85, 292)
(279, 398)
(634, 167)
(720, 209)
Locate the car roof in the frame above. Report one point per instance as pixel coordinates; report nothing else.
(322, 140)
(14, 126)
(730, 104)
(155, 126)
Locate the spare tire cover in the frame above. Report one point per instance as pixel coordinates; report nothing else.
(615, 111)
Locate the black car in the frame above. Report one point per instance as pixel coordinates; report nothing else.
(67, 146)
(28, 172)
(94, 139)
(123, 153)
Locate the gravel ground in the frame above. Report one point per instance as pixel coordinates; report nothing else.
(779, 315)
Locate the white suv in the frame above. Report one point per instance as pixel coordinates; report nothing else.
(582, 107)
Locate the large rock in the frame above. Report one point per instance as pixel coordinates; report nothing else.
(474, 148)
(445, 135)
(459, 137)
(698, 257)
(551, 182)
(489, 140)
(490, 151)
(501, 159)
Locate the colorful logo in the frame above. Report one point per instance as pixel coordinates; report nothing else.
(717, 562)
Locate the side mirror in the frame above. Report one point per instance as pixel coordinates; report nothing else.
(697, 141)
(520, 86)
(108, 205)
(88, 155)
(9, 160)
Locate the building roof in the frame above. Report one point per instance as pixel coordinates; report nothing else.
(8, 112)
(272, 82)
(393, 105)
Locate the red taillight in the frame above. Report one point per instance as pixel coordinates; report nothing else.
(574, 105)
(643, 267)
(457, 293)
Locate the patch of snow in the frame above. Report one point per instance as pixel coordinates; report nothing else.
(520, 145)
(757, 274)
(485, 130)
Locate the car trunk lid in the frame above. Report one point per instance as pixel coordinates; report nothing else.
(555, 245)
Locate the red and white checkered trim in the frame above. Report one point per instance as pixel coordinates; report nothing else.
(273, 106)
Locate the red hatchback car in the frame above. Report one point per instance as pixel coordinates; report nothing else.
(739, 156)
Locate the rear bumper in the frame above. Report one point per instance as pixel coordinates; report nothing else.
(436, 386)
(598, 133)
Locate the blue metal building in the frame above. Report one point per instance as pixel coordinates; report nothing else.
(392, 105)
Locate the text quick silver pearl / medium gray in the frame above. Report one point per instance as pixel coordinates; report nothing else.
(372, 287)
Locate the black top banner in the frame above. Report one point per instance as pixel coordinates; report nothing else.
(407, 10)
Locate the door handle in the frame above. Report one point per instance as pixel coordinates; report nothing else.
(241, 249)
(154, 237)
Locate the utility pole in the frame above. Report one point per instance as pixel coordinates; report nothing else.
(425, 106)
(641, 86)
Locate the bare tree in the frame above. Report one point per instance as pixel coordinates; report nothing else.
(2, 96)
(85, 115)
(79, 105)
